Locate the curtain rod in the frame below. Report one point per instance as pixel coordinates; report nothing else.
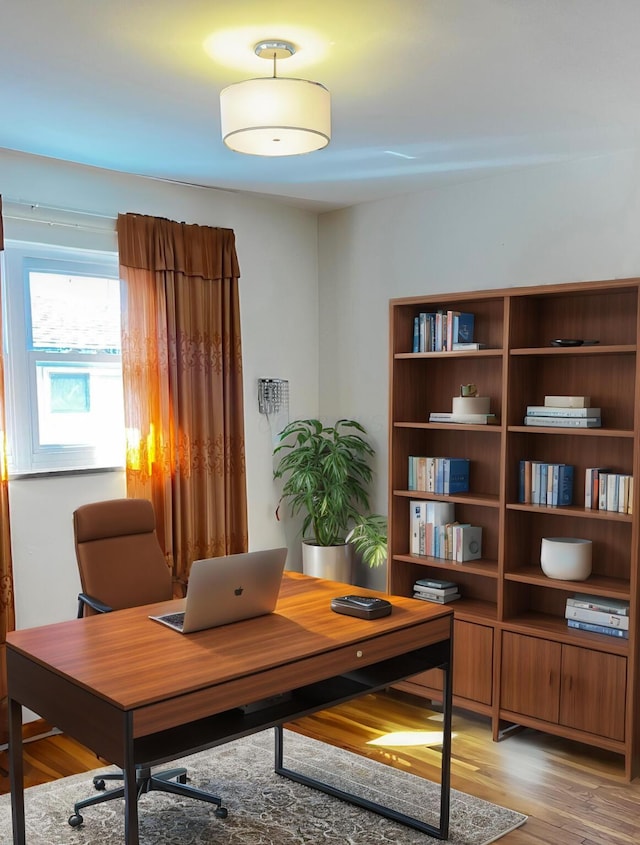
(34, 206)
(22, 211)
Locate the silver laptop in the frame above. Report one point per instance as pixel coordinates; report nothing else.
(227, 589)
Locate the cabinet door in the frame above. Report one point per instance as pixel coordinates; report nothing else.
(530, 676)
(472, 663)
(593, 691)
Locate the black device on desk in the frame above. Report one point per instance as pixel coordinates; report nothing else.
(364, 607)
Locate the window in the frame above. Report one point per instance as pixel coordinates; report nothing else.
(62, 347)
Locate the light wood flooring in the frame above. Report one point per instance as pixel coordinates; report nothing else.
(572, 794)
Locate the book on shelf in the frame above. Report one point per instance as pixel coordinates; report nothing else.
(605, 605)
(546, 411)
(467, 543)
(438, 594)
(444, 600)
(614, 492)
(564, 422)
(592, 486)
(597, 629)
(541, 483)
(438, 331)
(462, 327)
(438, 475)
(455, 476)
(462, 419)
(470, 346)
(424, 515)
(436, 584)
(599, 617)
(567, 401)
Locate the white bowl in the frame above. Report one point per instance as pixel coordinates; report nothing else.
(566, 558)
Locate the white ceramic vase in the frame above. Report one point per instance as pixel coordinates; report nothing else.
(566, 558)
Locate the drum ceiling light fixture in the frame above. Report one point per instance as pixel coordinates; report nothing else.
(275, 116)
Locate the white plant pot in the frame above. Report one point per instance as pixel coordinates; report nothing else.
(335, 563)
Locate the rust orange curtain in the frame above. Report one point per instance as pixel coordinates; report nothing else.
(7, 610)
(182, 371)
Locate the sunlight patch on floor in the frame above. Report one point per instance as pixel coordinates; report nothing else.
(406, 739)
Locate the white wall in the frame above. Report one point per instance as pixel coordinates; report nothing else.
(278, 253)
(559, 223)
(551, 224)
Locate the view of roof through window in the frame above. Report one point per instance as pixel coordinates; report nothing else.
(60, 304)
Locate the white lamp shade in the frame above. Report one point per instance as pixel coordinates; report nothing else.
(275, 116)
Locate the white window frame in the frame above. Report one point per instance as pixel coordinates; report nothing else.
(25, 454)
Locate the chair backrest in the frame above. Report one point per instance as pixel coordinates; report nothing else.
(119, 556)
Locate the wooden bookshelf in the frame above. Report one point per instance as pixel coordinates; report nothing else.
(516, 660)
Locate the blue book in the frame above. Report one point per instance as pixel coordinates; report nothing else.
(565, 485)
(456, 476)
(463, 327)
(542, 490)
(598, 629)
(521, 482)
(440, 476)
(416, 334)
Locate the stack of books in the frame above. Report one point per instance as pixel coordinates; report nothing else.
(462, 419)
(441, 331)
(606, 490)
(432, 589)
(434, 532)
(598, 615)
(564, 412)
(545, 484)
(443, 476)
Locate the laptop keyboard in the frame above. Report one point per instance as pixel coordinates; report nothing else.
(176, 619)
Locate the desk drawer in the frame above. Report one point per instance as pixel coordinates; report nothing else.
(244, 690)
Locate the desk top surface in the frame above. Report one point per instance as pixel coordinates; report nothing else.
(129, 659)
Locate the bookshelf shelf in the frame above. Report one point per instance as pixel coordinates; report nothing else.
(613, 349)
(586, 686)
(579, 432)
(595, 585)
(480, 568)
(547, 626)
(473, 353)
(485, 500)
(573, 511)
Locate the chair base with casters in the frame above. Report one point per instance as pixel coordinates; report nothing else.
(170, 780)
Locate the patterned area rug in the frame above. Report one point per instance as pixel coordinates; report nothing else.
(264, 808)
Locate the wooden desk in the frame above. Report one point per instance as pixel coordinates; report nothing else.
(136, 692)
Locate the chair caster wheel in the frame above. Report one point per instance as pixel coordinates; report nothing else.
(183, 779)
(99, 784)
(221, 813)
(75, 820)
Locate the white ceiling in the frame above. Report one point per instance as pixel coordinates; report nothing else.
(424, 92)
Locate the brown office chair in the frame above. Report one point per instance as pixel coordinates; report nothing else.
(122, 565)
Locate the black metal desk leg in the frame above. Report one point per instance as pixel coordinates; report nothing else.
(445, 771)
(131, 834)
(16, 771)
(439, 832)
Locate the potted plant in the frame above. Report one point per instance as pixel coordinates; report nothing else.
(326, 472)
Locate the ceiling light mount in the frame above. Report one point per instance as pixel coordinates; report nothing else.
(275, 116)
(274, 50)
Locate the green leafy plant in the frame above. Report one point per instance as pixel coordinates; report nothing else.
(326, 474)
